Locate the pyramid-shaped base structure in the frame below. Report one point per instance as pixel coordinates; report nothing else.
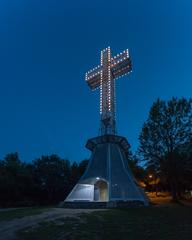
(108, 177)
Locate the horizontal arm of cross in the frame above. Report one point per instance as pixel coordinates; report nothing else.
(93, 77)
(121, 65)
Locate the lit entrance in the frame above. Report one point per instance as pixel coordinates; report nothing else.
(101, 191)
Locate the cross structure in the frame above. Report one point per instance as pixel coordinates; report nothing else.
(103, 77)
(107, 181)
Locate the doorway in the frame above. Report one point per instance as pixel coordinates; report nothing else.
(101, 193)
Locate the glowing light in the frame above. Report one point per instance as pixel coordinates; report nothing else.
(103, 77)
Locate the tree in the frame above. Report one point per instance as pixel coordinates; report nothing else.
(52, 177)
(15, 181)
(47, 180)
(167, 129)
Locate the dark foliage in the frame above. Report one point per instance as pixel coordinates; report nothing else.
(47, 180)
(165, 141)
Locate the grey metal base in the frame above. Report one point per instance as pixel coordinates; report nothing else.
(108, 179)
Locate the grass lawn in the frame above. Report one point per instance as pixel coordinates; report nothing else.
(160, 223)
(19, 213)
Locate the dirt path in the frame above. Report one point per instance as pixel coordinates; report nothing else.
(9, 209)
(9, 228)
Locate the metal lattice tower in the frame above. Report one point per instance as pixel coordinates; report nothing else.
(103, 77)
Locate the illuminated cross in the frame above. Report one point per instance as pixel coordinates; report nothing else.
(103, 77)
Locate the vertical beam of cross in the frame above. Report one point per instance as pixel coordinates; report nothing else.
(107, 90)
(103, 77)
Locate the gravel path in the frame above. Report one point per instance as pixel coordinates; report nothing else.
(9, 228)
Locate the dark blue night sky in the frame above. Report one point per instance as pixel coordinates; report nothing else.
(47, 46)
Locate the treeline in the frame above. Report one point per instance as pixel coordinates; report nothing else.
(164, 152)
(47, 180)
